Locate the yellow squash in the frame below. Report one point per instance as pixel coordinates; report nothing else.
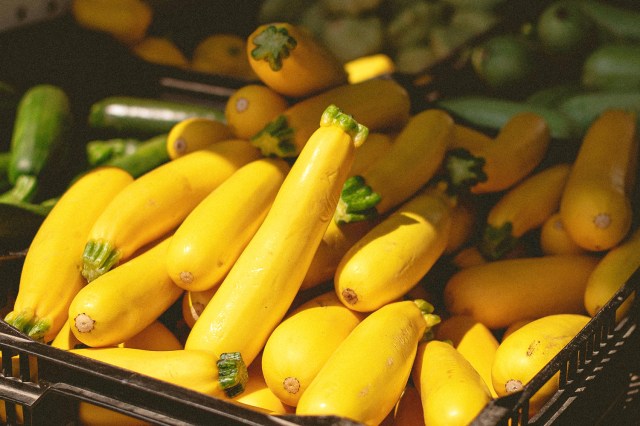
(391, 258)
(468, 138)
(251, 107)
(194, 133)
(193, 303)
(301, 344)
(210, 239)
(121, 303)
(523, 208)
(50, 275)
(365, 376)
(473, 340)
(499, 163)
(528, 349)
(465, 216)
(377, 146)
(289, 59)
(223, 54)
(126, 20)
(379, 105)
(596, 205)
(157, 202)
(368, 67)
(501, 292)
(554, 238)
(416, 155)
(160, 50)
(261, 285)
(257, 394)
(155, 337)
(336, 241)
(408, 411)
(611, 273)
(452, 392)
(221, 376)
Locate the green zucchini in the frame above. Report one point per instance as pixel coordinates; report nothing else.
(615, 21)
(586, 107)
(564, 29)
(41, 128)
(492, 113)
(133, 116)
(148, 155)
(552, 96)
(101, 151)
(4, 166)
(613, 66)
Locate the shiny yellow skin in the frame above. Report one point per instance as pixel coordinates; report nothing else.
(160, 50)
(611, 273)
(222, 54)
(379, 104)
(195, 370)
(126, 20)
(245, 309)
(365, 377)
(554, 238)
(158, 201)
(391, 258)
(414, 158)
(194, 133)
(210, 239)
(596, 205)
(451, 390)
(301, 344)
(308, 69)
(530, 202)
(257, 394)
(517, 149)
(155, 337)
(367, 67)
(474, 341)
(502, 292)
(125, 300)
(193, 303)
(251, 107)
(523, 354)
(50, 276)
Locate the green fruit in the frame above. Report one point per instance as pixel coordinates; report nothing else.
(504, 61)
(563, 28)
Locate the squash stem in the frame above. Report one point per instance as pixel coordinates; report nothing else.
(20, 320)
(99, 256)
(24, 190)
(497, 241)
(273, 45)
(232, 373)
(430, 318)
(357, 201)
(39, 329)
(463, 170)
(276, 139)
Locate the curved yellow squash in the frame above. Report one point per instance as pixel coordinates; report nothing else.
(366, 375)
(50, 275)
(260, 287)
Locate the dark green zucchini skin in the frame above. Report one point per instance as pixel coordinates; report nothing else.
(149, 154)
(130, 115)
(41, 128)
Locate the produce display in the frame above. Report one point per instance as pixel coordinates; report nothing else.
(324, 245)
